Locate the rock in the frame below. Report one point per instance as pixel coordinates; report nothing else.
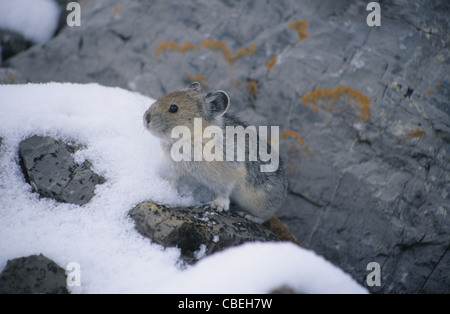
(10, 76)
(280, 230)
(363, 111)
(35, 274)
(11, 43)
(283, 290)
(1, 141)
(196, 231)
(50, 168)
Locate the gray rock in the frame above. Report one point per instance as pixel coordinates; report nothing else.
(283, 290)
(11, 76)
(11, 43)
(1, 141)
(50, 168)
(367, 155)
(195, 231)
(35, 274)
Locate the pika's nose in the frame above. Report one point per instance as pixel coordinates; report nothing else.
(147, 117)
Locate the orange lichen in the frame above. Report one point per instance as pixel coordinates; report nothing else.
(220, 46)
(417, 133)
(307, 151)
(293, 169)
(293, 148)
(170, 46)
(208, 44)
(429, 92)
(245, 52)
(438, 85)
(117, 10)
(294, 135)
(196, 78)
(271, 63)
(329, 97)
(227, 54)
(300, 27)
(11, 78)
(252, 89)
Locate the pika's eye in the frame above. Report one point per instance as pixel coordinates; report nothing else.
(173, 108)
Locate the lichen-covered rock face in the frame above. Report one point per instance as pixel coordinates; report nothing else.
(363, 111)
(33, 274)
(195, 231)
(50, 168)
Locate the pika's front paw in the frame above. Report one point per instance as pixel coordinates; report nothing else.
(220, 204)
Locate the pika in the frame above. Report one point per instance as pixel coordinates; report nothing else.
(257, 194)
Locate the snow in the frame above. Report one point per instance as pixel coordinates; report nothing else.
(99, 236)
(260, 268)
(36, 20)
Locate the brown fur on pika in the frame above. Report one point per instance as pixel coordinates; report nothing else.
(257, 194)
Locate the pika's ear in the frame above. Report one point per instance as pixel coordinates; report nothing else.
(195, 86)
(216, 103)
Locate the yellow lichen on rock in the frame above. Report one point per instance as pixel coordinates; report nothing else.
(170, 46)
(300, 27)
(227, 54)
(293, 149)
(326, 99)
(417, 133)
(252, 89)
(294, 135)
(208, 44)
(271, 63)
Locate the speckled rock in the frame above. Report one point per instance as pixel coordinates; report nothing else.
(35, 274)
(51, 170)
(196, 231)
